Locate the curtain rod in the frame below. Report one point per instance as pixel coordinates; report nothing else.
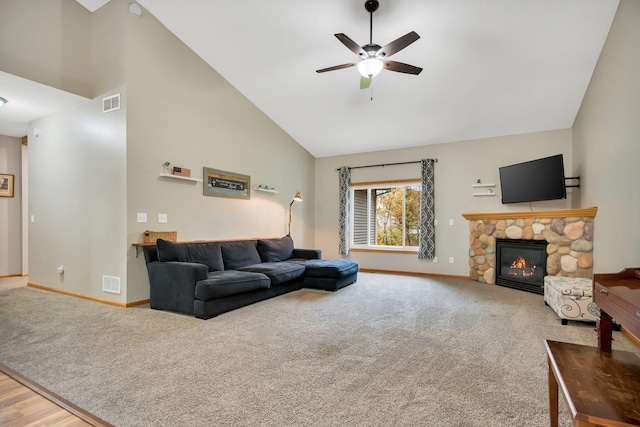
(387, 164)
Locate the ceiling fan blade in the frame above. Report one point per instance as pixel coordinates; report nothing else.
(402, 67)
(351, 45)
(336, 67)
(365, 82)
(397, 45)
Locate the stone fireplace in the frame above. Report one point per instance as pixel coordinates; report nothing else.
(568, 235)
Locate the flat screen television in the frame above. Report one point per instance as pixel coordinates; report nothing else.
(535, 180)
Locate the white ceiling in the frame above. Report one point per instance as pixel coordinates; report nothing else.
(491, 67)
(29, 101)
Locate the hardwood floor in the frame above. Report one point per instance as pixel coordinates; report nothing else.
(20, 406)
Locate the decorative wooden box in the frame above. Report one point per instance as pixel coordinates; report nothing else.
(152, 236)
(182, 172)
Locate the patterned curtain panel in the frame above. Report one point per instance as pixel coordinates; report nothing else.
(427, 249)
(345, 184)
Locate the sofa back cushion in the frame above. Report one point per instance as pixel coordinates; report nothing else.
(239, 254)
(274, 250)
(168, 251)
(207, 253)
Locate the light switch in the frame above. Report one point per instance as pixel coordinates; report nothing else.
(142, 217)
(450, 260)
(435, 222)
(451, 221)
(33, 219)
(162, 218)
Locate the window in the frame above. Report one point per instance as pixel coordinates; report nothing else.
(386, 215)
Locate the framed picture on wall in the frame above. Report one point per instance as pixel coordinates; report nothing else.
(221, 183)
(6, 185)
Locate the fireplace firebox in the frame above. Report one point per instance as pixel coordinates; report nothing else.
(521, 264)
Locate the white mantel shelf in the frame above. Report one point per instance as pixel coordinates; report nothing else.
(563, 213)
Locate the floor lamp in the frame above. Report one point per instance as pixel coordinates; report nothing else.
(296, 198)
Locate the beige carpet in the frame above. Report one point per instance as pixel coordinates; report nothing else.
(386, 351)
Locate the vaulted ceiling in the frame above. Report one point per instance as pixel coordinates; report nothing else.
(491, 67)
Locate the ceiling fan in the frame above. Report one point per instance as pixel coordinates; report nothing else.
(373, 57)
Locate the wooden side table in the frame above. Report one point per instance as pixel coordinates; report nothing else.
(600, 388)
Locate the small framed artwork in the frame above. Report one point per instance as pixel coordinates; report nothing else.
(6, 185)
(220, 183)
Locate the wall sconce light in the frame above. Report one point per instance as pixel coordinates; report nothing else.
(296, 198)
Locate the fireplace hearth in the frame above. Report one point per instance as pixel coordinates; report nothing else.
(521, 264)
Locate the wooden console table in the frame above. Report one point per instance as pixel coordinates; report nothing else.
(600, 388)
(618, 296)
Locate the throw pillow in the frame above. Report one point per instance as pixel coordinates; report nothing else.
(274, 250)
(169, 251)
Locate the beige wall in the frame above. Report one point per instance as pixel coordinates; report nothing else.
(48, 42)
(181, 111)
(606, 144)
(10, 208)
(77, 195)
(459, 165)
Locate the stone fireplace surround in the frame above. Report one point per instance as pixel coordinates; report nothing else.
(568, 232)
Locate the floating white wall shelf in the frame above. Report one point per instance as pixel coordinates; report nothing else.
(185, 178)
(483, 185)
(267, 190)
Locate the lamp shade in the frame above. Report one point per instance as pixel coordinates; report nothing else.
(297, 197)
(370, 67)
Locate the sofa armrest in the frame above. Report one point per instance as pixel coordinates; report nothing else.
(173, 285)
(307, 253)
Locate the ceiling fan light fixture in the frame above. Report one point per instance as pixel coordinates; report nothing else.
(370, 67)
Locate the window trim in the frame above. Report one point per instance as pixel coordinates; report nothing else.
(377, 184)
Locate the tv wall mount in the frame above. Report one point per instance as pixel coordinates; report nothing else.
(574, 185)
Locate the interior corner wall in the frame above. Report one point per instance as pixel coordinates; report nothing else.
(606, 145)
(77, 198)
(11, 208)
(459, 166)
(180, 110)
(47, 42)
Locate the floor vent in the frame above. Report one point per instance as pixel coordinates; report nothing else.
(111, 284)
(111, 103)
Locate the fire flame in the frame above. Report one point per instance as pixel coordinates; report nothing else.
(520, 267)
(519, 263)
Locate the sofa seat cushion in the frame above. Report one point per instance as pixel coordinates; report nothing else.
(220, 284)
(278, 272)
(331, 268)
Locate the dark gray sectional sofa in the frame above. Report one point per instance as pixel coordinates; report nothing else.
(209, 278)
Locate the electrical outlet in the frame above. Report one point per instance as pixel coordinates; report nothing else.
(162, 218)
(142, 217)
(450, 260)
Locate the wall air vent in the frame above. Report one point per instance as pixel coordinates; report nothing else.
(111, 103)
(111, 284)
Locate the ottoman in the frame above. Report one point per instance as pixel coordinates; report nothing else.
(330, 274)
(570, 298)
